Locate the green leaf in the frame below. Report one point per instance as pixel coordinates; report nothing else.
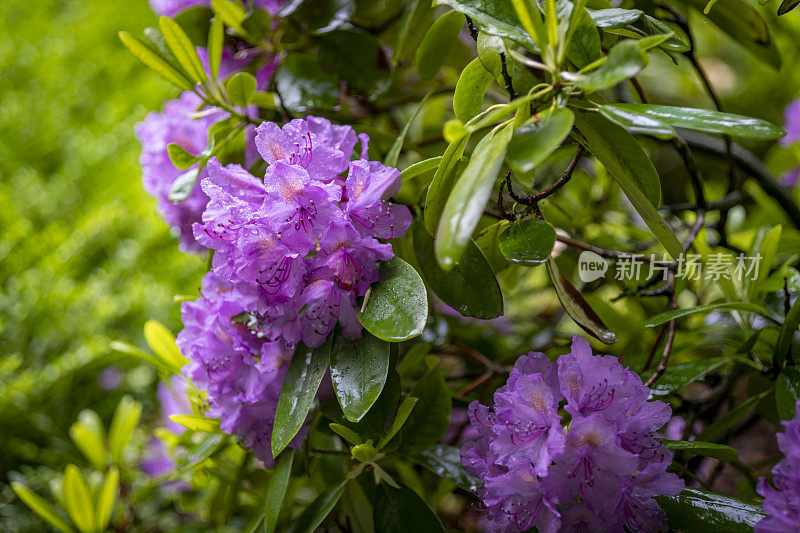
(417, 169)
(400, 510)
(471, 86)
(615, 17)
(126, 417)
(636, 122)
(745, 25)
(277, 489)
(313, 515)
(678, 375)
(41, 507)
(577, 307)
(180, 157)
(394, 152)
(445, 462)
(89, 442)
(303, 85)
(431, 417)
(470, 287)
(535, 140)
(183, 185)
(196, 22)
(528, 242)
(702, 120)
(584, 47)
(721, 425)
(673, 43)
(466, 203)
(695, 510)
(358, 371)
(216, 42)
(411, 29)
(357, 508)
(231, 13)
(78, 499)
(435, 47)
(139, 355)
(182, 48)
(264, 100)
(787, 392)
(323, 16)
(531, 19)
(663, 318)
(627, 163)
(363, 71)
(494, 18)
(442, 182)
(787, 5)
(706, 449)
(151, 59)
(207, 447)
(241, 87)
(300, 386)
(196, 423)
(403, 412)
(106, 499)
(624, 61)
(346, 433)
(398, 303)
(162, 342)
(787, 334)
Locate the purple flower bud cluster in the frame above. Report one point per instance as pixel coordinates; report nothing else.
(782, 503)
(596, 467)
(292, 252)
(179, 124)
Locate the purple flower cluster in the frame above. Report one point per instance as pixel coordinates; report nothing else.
(303, 242)
(292, 252)
(782, 503)
(240, 372)
(179, 124)
(599, 473)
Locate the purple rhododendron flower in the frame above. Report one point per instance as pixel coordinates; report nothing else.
(241, 372)
(292, 253)
(600, 473)
(298, 241)
(782, 503)
(177, 124)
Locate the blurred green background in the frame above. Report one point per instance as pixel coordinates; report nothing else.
(84, 256)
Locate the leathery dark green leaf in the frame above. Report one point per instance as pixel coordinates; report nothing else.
(358, 371)
(702, 120)
(700, 510)
(494, 18)
(397, 308)
(627, 163)
(435, 47)
(470, 287)
(470, 194)
(528, 242)
(300, 386)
